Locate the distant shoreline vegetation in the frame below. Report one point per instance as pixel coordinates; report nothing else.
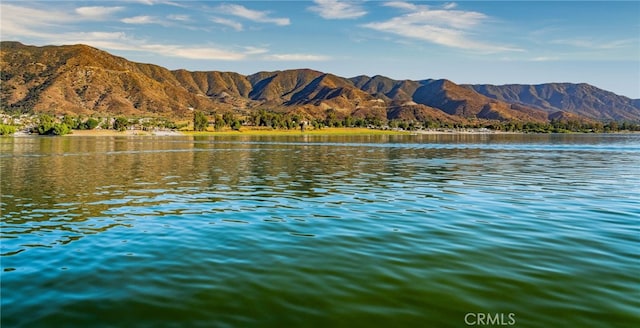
(263, 120)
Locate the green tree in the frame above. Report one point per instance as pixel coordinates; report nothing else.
(200, 121)
(331, 118)
(170, 125)
(228, 118)
(90, 124)
(60, 129)
(48, 125)
(236, 125)
(45, 126)
(219, 123)
(70, 121)
(120, 124)
(7, 129)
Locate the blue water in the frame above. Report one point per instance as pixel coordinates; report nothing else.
(320, 231)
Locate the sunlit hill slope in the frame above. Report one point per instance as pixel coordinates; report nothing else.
(83, 80)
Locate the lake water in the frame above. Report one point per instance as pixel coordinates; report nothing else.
(361, 231)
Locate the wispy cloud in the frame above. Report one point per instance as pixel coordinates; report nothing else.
(52, 27)
(449, 5)
(22, 14)
(596, 44)
(443, 26)
(545, 59)
(335, 9)
(168, 21)
(141, 20)
(227, 22)
(296, 57)
(250, 50)
(179, 18)
(20, 22)
(422, 14)
(253, 15)
(157, 2)
(123, 42)
(401, 5)
(201, 53)
(97, 12)
(104, 40)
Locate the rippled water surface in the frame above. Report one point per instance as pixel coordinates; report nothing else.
(381, 231)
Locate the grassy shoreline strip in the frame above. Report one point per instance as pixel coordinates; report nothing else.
(277, 132)
(242, 132)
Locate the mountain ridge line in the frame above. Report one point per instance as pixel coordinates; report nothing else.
(84, 80)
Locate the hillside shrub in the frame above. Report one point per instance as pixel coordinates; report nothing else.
(120, 124)
(60, 129)
(48, 126)
(45, 125)
(200, 121)
(90, 124)
(7, 129)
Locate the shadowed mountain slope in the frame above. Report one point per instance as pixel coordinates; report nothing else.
(581, 99)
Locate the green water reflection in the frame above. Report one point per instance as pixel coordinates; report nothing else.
(320, 231)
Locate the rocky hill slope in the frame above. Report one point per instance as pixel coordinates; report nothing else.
(581, 99)
(83, 80)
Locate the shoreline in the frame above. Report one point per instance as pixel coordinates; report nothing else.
(246, 132)
(278, 132)
(282, 132)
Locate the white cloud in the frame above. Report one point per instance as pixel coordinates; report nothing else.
(296, 57)
(16, 15)
(202, 53)
(121, 41)
(253, 15)
(255, 50)
(105, 40)
(179, 18)
(20, 22)
(596, 44)
(144, 2)
(141, 20)
(439, 17)
(446, 27)
(227, 22)
(156, 2)
(544, 59)
(100, 35)
(97, 12)
(335, 9)
(23, 22)
(450, 5)
(401, 5)
(51, 26)
(171, 20)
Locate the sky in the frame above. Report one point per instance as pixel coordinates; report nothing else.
(494, 42)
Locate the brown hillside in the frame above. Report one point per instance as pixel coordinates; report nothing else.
(278, 87)
(580, 99)
(447, 96)
(82, 79)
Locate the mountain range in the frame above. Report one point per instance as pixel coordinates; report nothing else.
(83, 80)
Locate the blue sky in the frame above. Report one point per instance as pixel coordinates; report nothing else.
(495, 42)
